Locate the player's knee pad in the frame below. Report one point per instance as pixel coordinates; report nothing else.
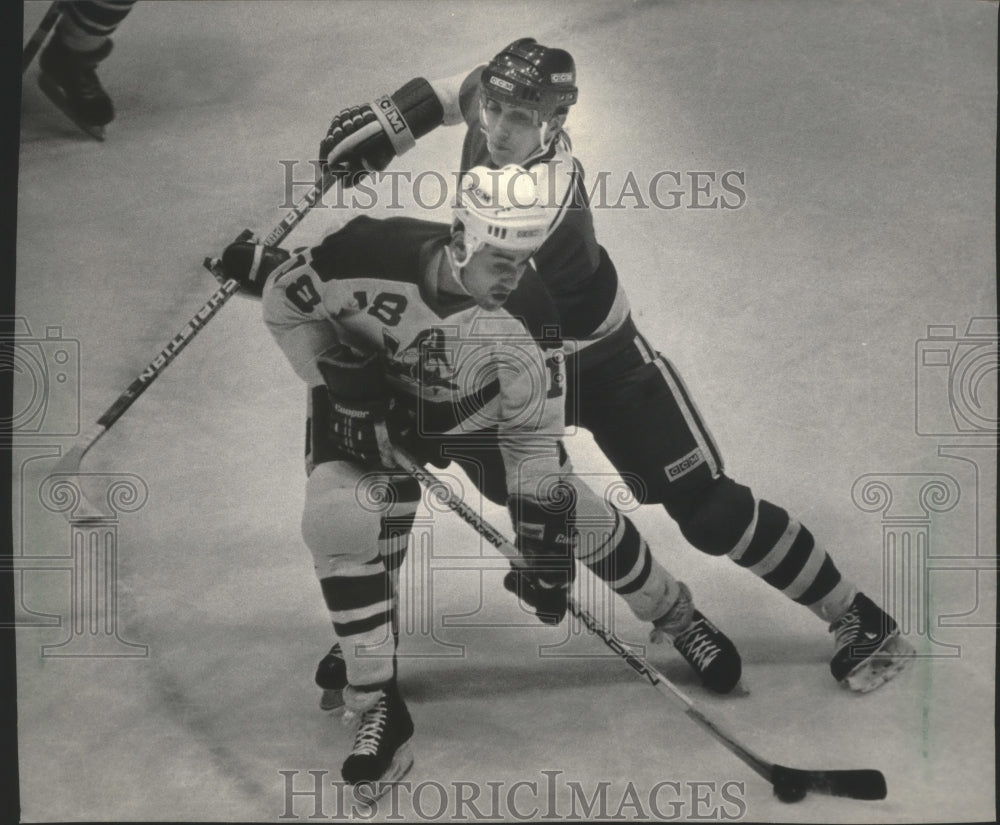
(715, 517)
(343, 516)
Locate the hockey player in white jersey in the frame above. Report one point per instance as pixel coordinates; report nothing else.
(629, 396)
(441, 339)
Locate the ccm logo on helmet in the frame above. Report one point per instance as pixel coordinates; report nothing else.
(503, 84)
(528, 233)
(562, 77)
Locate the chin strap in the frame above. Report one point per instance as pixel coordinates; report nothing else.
(543, 144)
(457, 266)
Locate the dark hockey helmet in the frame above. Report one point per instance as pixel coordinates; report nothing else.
(529, 74)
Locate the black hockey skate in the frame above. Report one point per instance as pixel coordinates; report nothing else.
(868, 648)
(69, 80)
(331, 676)
(706, 648)
(381, 754)
(712, 655)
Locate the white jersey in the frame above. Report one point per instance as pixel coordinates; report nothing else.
(468, 372)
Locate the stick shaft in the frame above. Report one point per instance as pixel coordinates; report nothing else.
(35, 41)
(299, 210)
(168, 353)
(206, 313)
(294, 217)
(662, 684)
(71, 460)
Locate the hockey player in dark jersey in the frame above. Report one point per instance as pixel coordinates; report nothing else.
(81, 41)
(628, 395)
(441, 339)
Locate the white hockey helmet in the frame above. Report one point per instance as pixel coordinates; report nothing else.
(502, 208)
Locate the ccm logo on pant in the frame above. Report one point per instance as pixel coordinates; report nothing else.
(684, 465)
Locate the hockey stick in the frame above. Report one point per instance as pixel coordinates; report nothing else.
(38, 38)
(70, 462)
(789, 784)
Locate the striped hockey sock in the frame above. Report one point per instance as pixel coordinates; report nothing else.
(784, 553)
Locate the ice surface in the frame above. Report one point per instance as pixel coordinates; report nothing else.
(864, 135)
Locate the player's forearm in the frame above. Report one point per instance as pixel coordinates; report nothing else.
(456, 94)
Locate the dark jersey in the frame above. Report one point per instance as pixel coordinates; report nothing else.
(575, 269)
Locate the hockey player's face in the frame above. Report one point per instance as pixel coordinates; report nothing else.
(492, 274)
(513, 133)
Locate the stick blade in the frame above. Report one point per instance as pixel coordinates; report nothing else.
(68, 468)
(855, 784)
(69, 464)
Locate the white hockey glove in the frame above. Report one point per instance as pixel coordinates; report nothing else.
(544, 537)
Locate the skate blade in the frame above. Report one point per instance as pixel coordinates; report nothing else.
(368, 793)
(331, 699)
(740, 690)
(54, 93)
(883, 665)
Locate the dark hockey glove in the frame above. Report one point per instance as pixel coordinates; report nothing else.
(338, 155)
(404, 427)
(250, 263)
(407, 114)
(544, 537)
(360, 401)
